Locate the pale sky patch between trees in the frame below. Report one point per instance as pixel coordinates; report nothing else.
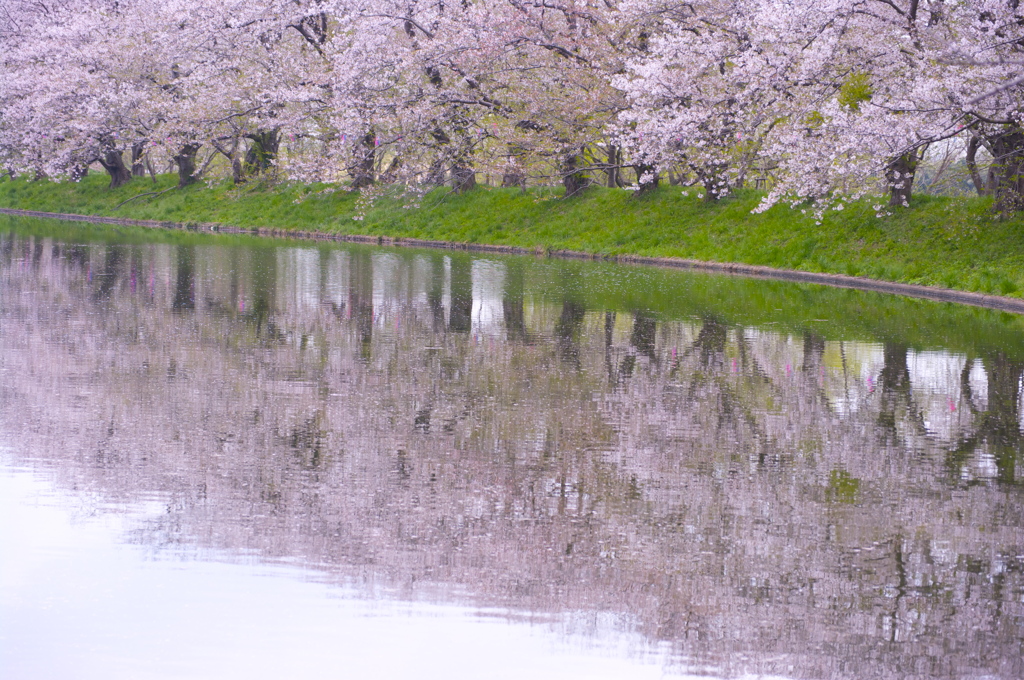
(817, 101)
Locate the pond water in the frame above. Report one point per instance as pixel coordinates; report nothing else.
(224, 457)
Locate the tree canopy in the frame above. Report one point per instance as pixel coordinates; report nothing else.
(833, 99)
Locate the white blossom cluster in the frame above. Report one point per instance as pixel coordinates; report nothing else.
(827, 99)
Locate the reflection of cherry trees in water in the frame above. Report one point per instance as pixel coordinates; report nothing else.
(461, 312)
(897, 401)
(361, 304)
(641, 342)
(764, 501)
(185, 285)
(512, 304)
(567, 332)
(108, 275)
(996, 427)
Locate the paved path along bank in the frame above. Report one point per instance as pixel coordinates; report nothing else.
(999, 302)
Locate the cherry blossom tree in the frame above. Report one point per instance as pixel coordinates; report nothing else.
(702, 90)
(868, 93)
(64, 105)
(834, 98)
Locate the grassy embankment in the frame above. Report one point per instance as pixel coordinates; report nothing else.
(947, 242)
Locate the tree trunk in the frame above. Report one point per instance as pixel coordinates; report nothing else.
(262, 153)
(390, 175)
(713, 178)
(463, 178)
(652, 178)
(899, 175)
(452, 161)
(362, 171)
(1008, 163)
(712, 187)
(113, 163)
(186, 160)
(984, 188)
(573, 179)
(138, 163)
(513, 175)
(613, 171)
(237, 168)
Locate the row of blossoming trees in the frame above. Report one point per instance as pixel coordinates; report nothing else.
(831, 98)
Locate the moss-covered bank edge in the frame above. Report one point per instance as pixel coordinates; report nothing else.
(998, 302)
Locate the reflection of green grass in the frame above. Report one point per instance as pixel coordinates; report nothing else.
(798, 309)
(665, 293)
(842, 488)
(937, 241)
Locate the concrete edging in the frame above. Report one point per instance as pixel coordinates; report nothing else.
(1002, 303)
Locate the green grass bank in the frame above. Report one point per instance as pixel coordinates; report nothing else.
(937, 241)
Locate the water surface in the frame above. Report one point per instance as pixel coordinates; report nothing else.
(221, 457)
